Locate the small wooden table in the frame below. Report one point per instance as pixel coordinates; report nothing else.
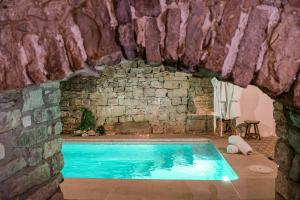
(256, 133)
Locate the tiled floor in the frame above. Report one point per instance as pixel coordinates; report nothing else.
(250, 185)
(265, 146)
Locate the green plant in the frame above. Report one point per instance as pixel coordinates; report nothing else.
(101, 130)
(88, 120)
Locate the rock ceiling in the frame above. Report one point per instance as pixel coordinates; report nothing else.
(245, 42)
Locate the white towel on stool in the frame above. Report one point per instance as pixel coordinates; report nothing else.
(232, 149)
(243, 146)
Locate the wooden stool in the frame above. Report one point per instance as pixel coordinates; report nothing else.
(228, 126)
(248, 134)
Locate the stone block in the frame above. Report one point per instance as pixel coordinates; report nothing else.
(293, 117)
(295, 170)
(282, 184)
(163, 116)
(196, 125)
(115, 111)
(35, 156)
(57, 163)
(45, 191)
(177, 93)
(161, 93)
(54, 112)
(75, 102)
(111, 120)
(294, 139)
(173, 128)
(26, 121)
(171, 84)
(138, 92)
(113, 102)
(139, 118)
(32, 99)
(101, 101)
(180, 117)
(158, 128)
(181, 109)
(176, 101)
(156, 84)
(52, 147)
(279, 118)
(2, 151)
(149, 92)
(128, 94)
(184, 84)
(40, 115)
(283, 155)
(165, 102)
(51, 85)
(133, 128)
(184, 100)
(30, 137)
(176, 78)
(53, 97)
(12, 167)
(131, 111)
(126, 118)
(9, 120)
(182, 74)
(57, 128)
(25, 181)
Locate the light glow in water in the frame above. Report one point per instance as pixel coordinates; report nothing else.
(170, 161)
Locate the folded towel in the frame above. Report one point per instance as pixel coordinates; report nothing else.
(232, 149)
(243, 146)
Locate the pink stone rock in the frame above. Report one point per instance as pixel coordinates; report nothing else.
(127, 41)
(227, 23)
(152, 40)
(250, 47)
(281, 63)
(99, 38)
(194, 34)
(172, 34)
(150, 8)
(123, 12)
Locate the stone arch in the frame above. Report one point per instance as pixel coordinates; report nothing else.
(244, 42)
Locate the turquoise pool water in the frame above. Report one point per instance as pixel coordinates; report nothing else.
(179, 161)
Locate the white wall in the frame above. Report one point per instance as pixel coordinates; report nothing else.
(255, 105)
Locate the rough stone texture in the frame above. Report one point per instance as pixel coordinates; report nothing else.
(287, 153)
(135, 98)
(31, 142)
(245, 42)
(9, 120)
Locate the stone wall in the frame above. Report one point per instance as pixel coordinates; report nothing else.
(30, 144)
(133, 97)
(287, 152)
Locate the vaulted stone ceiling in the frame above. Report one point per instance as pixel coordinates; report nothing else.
(244, 41)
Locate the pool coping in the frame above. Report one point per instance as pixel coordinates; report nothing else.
(146, 140)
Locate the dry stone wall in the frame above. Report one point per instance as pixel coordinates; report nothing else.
(287, 152)
(133, 97)
(30, 144)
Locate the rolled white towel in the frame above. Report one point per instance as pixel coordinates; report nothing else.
(232, 149)
(243, 146)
